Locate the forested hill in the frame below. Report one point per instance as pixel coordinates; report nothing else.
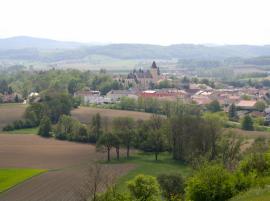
(35, 49)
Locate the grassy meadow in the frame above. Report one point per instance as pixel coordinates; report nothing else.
(23, 131)
(145, 163)
(254, 194)
(12, 177)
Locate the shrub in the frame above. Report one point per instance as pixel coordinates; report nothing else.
(144, 187)
(257, 163)
(8, 127)
(172, 186)
(45, 127)
(210, 183)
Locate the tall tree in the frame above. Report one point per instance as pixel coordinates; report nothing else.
(214, 124)
(107, 140)
(96, 126)
(125, 127)
(156, 136)
(232, 113)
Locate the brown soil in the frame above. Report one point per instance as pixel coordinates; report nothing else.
(85, 114)
(67, 163)
(10, 113)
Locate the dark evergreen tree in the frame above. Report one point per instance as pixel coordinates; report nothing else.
(247, 123)
(232, 113)
(214, 106)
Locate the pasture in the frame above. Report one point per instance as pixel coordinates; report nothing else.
(12, 177)
(145, 163)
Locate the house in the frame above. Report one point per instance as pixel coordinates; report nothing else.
(164, 94)
(91, 97)
(116, 95)
(201, 99)
(246, 104)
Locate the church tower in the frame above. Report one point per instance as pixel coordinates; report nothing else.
(155, 72)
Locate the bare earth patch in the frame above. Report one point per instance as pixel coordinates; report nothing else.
(10, 113)
(85, 114)
(67, 163)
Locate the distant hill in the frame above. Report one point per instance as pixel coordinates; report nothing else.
(23, 42)
(46, 50)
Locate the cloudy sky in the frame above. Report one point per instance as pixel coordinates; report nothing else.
(139, 21)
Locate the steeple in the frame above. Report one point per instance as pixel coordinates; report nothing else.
(154, 65)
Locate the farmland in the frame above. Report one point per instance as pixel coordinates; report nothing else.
(10, 113)
(66, 162)
(85, 114)
(12, 177)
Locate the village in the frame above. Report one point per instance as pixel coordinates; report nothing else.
(248, 100)
(141, 84)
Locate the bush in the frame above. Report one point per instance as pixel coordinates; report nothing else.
(210, 183)
(256, 163)
(172, 186)
(243, 182)
(144, 187)
(45, 127)
(8, 127)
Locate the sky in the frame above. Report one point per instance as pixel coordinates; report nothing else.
(139, 21)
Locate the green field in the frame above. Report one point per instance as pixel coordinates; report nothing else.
(145, 164)
(255, 194)
(23, 131)
(12, 177)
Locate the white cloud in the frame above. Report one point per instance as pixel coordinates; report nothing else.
(139, 21)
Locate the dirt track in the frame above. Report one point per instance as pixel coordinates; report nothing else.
(67, 163)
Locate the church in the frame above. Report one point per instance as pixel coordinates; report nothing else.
(143, 79)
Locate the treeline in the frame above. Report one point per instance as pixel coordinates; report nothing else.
(52, 105)
(209, 182)
(69, 81)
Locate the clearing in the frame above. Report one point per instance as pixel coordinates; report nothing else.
(145, 163)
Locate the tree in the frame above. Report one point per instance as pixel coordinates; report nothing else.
(59, 103)
(116, 144)
(214, 106)
(260, 106)
(16, 99)
(213, 125)
(247, 123)
(172, 186)
(232, 113)
(96, 126)
(156, 136)
(230, 150)
(108, 141)
(210, 183)
(45, 127)
(144, 188)
(124, 126)
(72, 86)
